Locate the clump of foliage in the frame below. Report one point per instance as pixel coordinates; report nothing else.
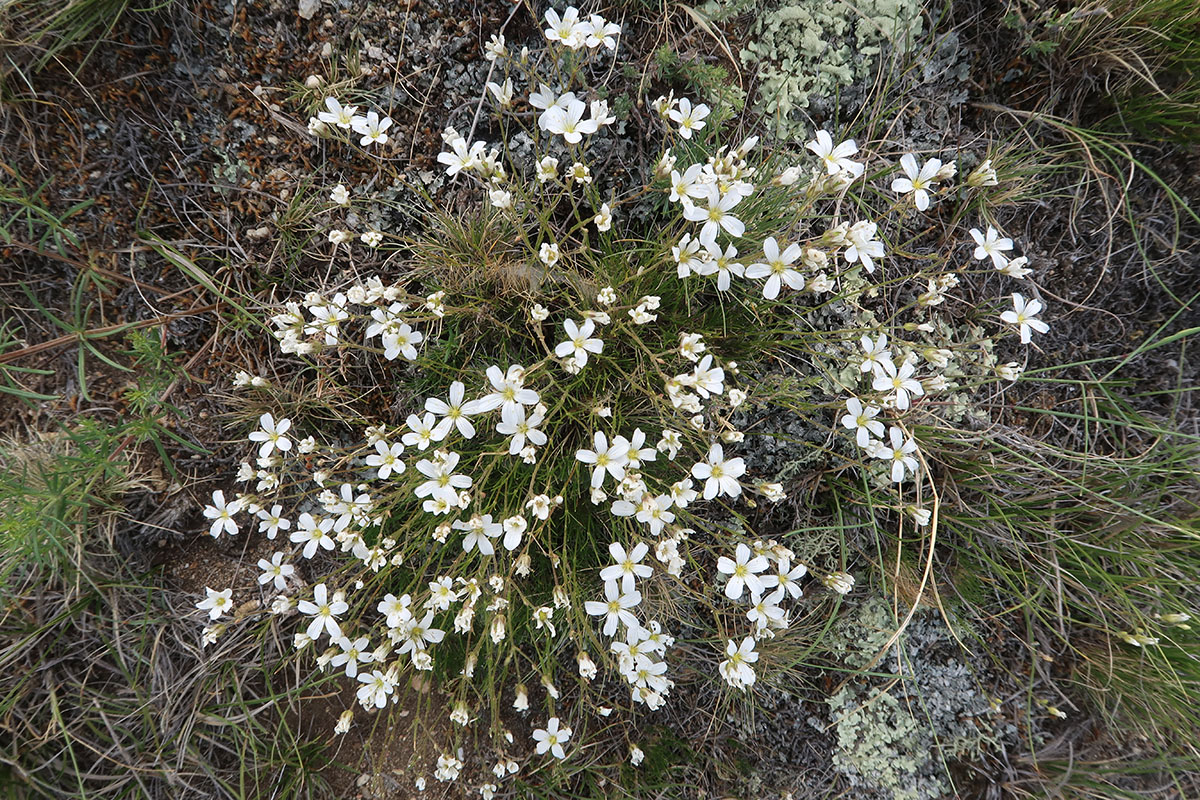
(575, 371)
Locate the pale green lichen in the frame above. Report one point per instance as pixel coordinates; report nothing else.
(807, 52)
(895, 735)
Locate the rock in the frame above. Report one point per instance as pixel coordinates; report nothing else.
(308, 8)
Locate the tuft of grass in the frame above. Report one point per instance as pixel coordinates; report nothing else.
(1138, 59)
(36, 33)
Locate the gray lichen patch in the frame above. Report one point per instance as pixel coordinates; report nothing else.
(807, 53)
(899, 730)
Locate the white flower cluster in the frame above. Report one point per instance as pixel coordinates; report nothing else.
(369, 127)
(460, 483)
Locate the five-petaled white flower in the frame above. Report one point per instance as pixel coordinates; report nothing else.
(552, 737)
(689, 118)
(736, 668)
(579, 342)
(720, 475)
(615, 607)
(338, 114)
(221, 514)
(836, 158)
(991, 244)
(899, 453)
(566, 30)
(313, 533)
(604, 458)
(743, 571)
(372, 129)
(275, 570)
(1024, 316)
(628, 567)
(917, 181)
(216, 603)
(455, 413)
(324, 613)
(271, 435)
(777, 268)
(716, 215)
(900, 381)
(515, 423)
(861, 420)
(387, 459)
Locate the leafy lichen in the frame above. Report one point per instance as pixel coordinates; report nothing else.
(808, 52)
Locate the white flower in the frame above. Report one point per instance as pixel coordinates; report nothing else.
(502, 93)
(548, 253)
(1010, 371)
(863, 246)
(875, 355)
(720, 475)
(715, 216)
(743, 572)
(917, 181)
(324, 613)
(836, 159)
(514, 423)
(271, 522)
(862, 421)
(216, 603)
(514, 527)
(603, 220)
(462, 157)
(371, 238)
(1023, 315)
(688, 185)
(313, 533)
(991, 245)
(840, 582)
(899, 453)
(547, 169)
(687, 256)
(627, 567)
(340, 195)
(604, 458)
(983, 175)
(221, 514)
(455, 413)
(339, 115)
(423, 431)
(568, 31)
(601, 32)
(687, 117)
(372, 129)
(614, 608)
(275, 570)
(500, 198)
(387, 459)
(900, 381)
(495, 48)
(552, 737)
(777, 268)
(579, 343)
(480, 531)
(1016, 268)
(568, 122)
(508, 389)
(736, 668)
(353, 653)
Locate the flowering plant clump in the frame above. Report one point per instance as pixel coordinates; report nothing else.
(570, 480)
